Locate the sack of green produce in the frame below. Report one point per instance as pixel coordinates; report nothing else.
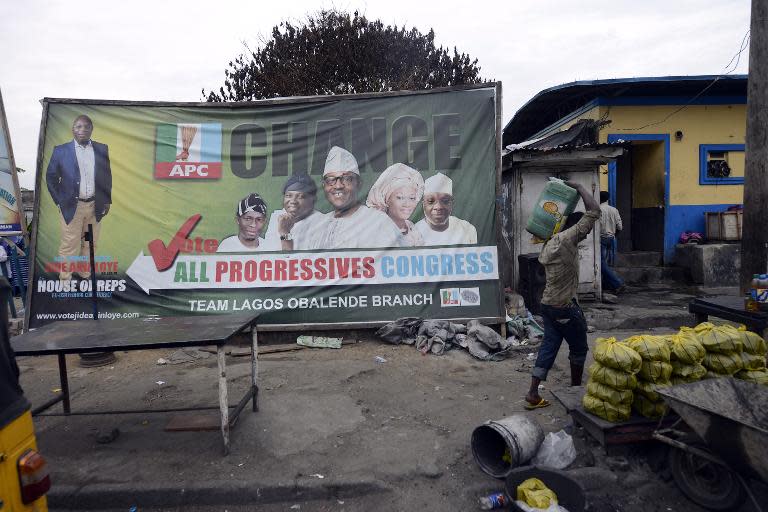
(606, 410)
(615, 378)
(655, 371)
(753, 343)
(648, 389)
(648, 408)
(686, 347)
(682, 380)
(724, 364)
(692, 372)
(609, 394)
(714, 375)
(650, 348)
(756, 376)
(752, 362)
(723, 339)
(618, 356)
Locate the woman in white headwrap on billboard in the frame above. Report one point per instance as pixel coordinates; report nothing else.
(397, 193)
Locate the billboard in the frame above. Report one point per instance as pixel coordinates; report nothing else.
(10, 194)
(341, 209)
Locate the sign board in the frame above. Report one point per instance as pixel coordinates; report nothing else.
(10, 194)
(340, 209)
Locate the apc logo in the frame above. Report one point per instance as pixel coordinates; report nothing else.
(188, 151)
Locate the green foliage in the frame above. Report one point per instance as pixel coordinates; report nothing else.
(334, 52)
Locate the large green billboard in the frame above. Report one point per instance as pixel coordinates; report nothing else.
(338, 209)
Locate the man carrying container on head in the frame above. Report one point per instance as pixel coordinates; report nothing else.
(562, 315)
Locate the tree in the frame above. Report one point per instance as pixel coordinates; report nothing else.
(333, 52)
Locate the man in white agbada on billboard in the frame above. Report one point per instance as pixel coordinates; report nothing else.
(351, 224)
(439, 227)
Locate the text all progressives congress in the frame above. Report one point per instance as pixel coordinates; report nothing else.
(319, 269)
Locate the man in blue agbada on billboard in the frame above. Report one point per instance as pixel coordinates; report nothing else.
(79, 179)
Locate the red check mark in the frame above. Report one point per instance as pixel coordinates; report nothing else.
(165, 256)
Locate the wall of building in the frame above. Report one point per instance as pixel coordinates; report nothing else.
(686, 199)
(700, 124)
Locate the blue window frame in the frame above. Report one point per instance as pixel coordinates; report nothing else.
(704, 153)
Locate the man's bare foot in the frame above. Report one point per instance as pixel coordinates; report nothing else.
(183, 156)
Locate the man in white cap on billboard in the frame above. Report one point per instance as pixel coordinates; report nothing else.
(439, 227)
(351, 224)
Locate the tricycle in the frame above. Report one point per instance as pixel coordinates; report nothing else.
(726, 442)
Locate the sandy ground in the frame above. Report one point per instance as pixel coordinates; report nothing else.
(336, 431)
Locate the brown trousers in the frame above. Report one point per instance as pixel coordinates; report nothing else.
(72, 243)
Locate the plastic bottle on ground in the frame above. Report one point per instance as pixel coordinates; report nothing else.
(495, 500)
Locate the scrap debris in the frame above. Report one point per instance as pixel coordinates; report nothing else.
(438, 336)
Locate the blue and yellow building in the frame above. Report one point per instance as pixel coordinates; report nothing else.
(685, 136)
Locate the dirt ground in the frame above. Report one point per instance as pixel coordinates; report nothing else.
(336, 430)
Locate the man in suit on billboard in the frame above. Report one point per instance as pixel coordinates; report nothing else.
(79, 179)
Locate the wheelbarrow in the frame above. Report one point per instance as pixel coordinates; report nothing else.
(727, 443)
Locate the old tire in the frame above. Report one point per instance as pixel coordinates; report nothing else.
(704, 482)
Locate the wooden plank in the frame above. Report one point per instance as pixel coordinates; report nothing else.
(199, 422)
(223, 399)
(636, 429)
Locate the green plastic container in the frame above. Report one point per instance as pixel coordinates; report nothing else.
(556, 202)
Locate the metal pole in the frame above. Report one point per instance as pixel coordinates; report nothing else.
(754, 241)
(64, 380)
(92, 259)
(90, 359)
(255, 368)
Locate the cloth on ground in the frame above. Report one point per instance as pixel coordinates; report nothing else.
(524, 328)
(402, 330)
(486, 344)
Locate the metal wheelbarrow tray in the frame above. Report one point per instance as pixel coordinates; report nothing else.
(730, 417)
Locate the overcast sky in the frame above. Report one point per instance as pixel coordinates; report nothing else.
(168, 50)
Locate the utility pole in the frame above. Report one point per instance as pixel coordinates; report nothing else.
(754, 241)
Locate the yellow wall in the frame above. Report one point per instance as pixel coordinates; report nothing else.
(647, 174)
(700, 124)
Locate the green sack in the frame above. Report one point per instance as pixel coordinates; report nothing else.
(648, 408)
(753, 343)
(691, 372)
(615, 378)
(683, 380)
(752, 362)
(648, 389)
(655, 371)
(725, 364)
(714, 375)
(685, 346)
(618, 356)
(650, 348)
(723, 339)
(606, 410)
(756, 376)
(609, 394)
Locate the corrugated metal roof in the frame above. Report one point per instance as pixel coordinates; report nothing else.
(553, 103)
(513, 148)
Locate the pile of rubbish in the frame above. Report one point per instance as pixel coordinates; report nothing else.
(438, 336)
(627, 373)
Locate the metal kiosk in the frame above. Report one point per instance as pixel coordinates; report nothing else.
(68, 337)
